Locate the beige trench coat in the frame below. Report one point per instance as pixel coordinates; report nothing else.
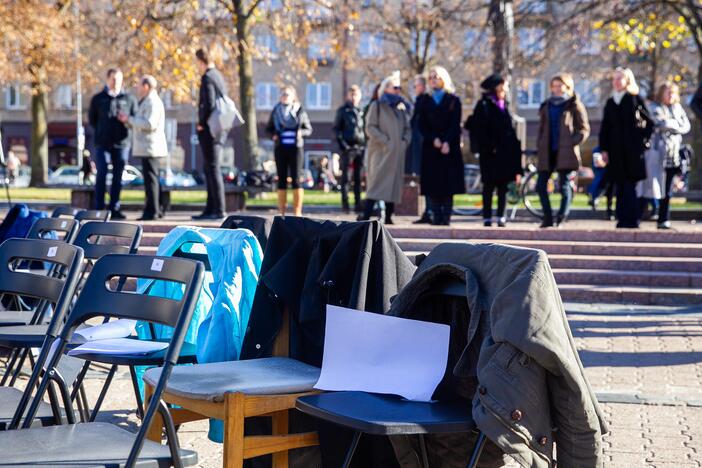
(389, 134)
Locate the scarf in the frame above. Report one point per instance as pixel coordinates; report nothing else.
(285, 117)
(618, 96)
(393, 100)
(438, 95)
(558, 100)
(500, 103)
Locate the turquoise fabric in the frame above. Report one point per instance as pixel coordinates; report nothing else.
(222, 313)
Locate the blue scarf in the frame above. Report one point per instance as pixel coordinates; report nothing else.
(438, 95)
(393, 100)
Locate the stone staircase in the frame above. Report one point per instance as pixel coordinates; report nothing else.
(643, 267)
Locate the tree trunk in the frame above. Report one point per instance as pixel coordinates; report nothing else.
(696, 167)
(39, 154)
(246, 89)
(502, 21)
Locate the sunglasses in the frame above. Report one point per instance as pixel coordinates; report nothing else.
(397, 87)
(434, 76)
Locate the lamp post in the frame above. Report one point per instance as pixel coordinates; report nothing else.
(80, 131)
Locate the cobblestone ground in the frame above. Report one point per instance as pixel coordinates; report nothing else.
(645, 363)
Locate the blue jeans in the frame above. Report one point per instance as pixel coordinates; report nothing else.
(118, 157)
(566, 194)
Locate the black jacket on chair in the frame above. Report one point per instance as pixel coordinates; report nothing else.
(493, 137)
(441, 174)
(624, 134)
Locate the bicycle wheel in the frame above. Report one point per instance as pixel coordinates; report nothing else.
(530, 196)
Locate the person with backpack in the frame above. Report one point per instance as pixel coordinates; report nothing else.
(212, 85)
(441, 175)
(349, 129)
(494, 141)
(288, 125)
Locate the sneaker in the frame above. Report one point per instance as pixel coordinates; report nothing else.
(487, 223)
(665, 225)
(502, 222)
(117, 215)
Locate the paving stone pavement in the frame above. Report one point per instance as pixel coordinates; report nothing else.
(645, 364)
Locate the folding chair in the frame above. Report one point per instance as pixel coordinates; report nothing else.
(52, 290)
(367, 413)
(26, 314)
(21, 338)
(93, 215)
(102, 444)
(236, 390)
(65, 212)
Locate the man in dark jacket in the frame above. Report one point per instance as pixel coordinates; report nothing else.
(212, 86)
(112, 138)
(696, 103)
(349, 129)
(414, 152)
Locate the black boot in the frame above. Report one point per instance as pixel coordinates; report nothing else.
(389, 210)
(367, 210)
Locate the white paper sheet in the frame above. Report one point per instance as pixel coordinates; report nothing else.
(121, 328)
(381, 354)
(119, 347)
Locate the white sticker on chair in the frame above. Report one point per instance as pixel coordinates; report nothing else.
(63, 224)
(157, 264)
(52, 251)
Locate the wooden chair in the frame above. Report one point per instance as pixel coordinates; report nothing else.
(196, 400)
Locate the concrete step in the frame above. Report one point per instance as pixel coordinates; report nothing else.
(626, 249)
(628, 278)
(641, 295)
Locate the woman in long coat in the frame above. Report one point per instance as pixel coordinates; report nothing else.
(389, 134)
(442, 161)
(624, 134)
(494, 140)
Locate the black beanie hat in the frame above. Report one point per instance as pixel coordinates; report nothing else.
(492, 81)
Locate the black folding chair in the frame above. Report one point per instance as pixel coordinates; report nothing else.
(57, 291)
(386, 415)
(96, 239)
(23, 313)
(102, 444)
(65, 211)
(258, 225)
(93, 215)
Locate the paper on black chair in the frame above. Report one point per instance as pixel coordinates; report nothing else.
(119, 347)
(382, 354)
(121, 328)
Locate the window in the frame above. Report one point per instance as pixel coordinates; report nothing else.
(530, 93)
(318, 96)
(266, 95)
(267, 44)
(418, 43)
(531, 41)
(588, 91)
(475, 43)
(14, 98)
(319, 47)
(63, 97)
(370, 45)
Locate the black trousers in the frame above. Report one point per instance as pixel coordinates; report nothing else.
(440, 209)
(288, 163)
(152, 186)
(664, 211)
(212, 155)
(488, 189)
(351, 156)
(627, 204)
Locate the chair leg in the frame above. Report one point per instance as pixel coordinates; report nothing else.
(477, 450)
(352, 449)
(234, 430)
(137, 395)
(11, 361)
(18, 368)
(423, 451)
(280, 427)
(103, 392)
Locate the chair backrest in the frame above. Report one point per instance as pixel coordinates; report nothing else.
(93, 232)
(97, 300)
(93, 215)
(44, 226)
(65, 211)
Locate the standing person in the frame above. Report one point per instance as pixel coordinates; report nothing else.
(389, 133)
(494, 141)
(86, 168)
(149, 125)
(624, 133)
(288, 125)
(671, 124)
(349, 128)
(600, 183)
(212, 86)
(563, 126)
(442, 160)
(415, 149)
(112, 138)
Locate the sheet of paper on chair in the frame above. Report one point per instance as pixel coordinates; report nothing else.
(121, 328)
(119, 347)
(381, 354)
